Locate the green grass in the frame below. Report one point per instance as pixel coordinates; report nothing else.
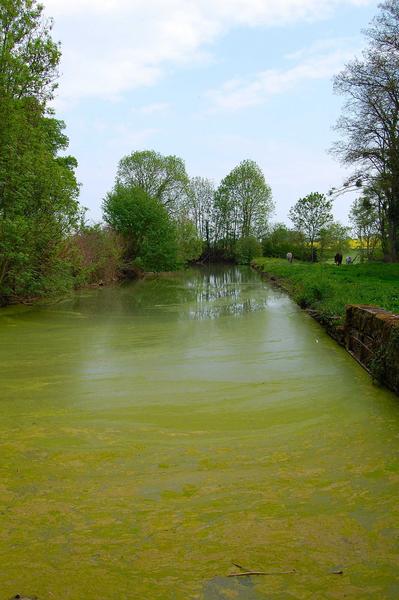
(328, 289)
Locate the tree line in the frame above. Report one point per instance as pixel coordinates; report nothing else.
(158, 218)
(153, 193)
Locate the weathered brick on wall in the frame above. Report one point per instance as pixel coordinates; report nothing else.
(372, 337)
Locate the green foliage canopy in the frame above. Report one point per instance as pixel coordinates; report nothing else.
(161, 177)
(38, 188)
(146, 225)
(334, 237)
(280, 240)
(247, 248)
(243, 203)
(188, 241)
(310, 215)
(29, 57)
(365, 222)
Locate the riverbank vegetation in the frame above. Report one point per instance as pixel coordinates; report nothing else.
(328, 288)
(159, 218)
(38, 189)
(155, 218)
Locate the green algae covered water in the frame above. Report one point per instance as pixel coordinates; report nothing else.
(154, 434)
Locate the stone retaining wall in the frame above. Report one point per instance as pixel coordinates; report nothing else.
(372, 337)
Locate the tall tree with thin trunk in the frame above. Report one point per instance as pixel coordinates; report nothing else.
(243, 203)
(201, 196)
(310, 215)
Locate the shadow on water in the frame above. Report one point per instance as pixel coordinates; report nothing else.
(222, 588)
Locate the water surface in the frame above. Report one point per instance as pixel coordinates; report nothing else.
(154, 434)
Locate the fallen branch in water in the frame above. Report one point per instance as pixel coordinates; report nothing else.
(248, 573)
(240, 567)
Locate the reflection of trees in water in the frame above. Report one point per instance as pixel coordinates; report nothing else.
(138, 297)
(203, 293)
(239, 307)
(128, 329)
(224, 292)
(214, 287)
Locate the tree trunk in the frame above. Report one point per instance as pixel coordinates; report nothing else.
(208, 246)
(312, 251)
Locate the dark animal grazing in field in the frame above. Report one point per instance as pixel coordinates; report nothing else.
(338, 259)
(290, 257)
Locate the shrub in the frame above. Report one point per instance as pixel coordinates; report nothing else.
(247, 248)
(95, 255)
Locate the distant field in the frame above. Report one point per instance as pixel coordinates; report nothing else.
(328, 288)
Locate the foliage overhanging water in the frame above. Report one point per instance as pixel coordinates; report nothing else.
(156, 433)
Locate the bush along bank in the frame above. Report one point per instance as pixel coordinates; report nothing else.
(356, 304)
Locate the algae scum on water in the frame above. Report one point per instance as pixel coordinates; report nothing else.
(154, 434)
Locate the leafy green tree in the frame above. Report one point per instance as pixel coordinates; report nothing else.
(365, 223)
(369, 125)
(280, 240)
(310, 215)
(29, 57)
(189, 244)
(161, 177)
(243, 204)
(38, 188)
(146, 225)
(247, 248)
(334, 238)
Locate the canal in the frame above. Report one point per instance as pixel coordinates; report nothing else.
(154, 434)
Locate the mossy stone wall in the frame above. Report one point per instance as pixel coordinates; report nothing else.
(372, 337)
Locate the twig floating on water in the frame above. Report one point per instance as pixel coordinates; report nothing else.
(248, 573)
(240, 567)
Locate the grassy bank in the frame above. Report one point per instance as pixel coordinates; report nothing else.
(327, 288)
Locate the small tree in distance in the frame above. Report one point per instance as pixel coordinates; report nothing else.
(310, 215)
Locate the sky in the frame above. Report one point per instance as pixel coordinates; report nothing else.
(214, 82)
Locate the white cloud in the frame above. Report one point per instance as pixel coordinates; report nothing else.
(320, 61)
(112, 46)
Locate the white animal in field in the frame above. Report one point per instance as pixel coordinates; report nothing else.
(290, 257)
